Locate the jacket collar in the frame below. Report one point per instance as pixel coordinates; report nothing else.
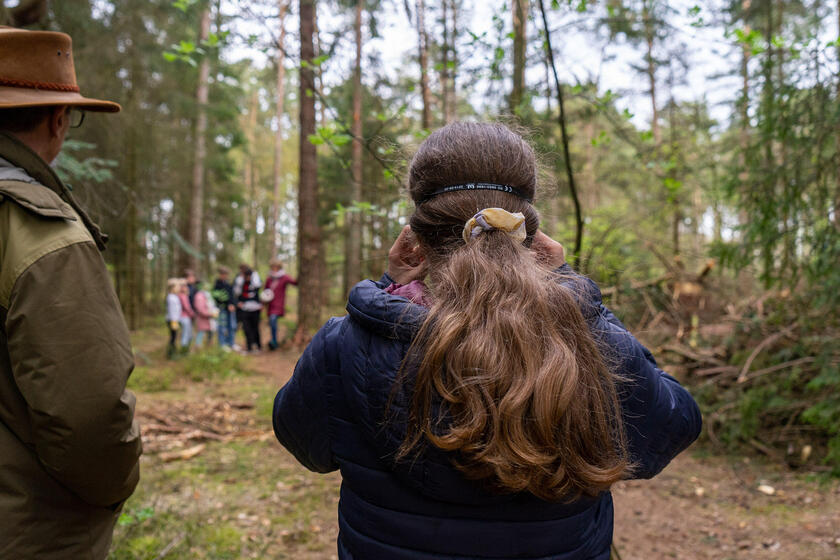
(385, 314)
(27, 162)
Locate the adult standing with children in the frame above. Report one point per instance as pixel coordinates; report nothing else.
(276, 285)
(488, 413)
(69, 445)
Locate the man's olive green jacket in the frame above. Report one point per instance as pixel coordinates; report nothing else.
(69, 445)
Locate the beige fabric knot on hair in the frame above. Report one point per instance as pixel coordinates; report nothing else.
(496, 218)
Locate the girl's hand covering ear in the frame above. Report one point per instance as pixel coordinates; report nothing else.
(406, 261)
(548, 251)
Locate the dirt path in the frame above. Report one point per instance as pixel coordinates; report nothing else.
(246, 487)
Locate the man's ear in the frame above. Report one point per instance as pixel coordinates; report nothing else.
(57, 122)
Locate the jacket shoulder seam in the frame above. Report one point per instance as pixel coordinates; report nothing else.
(37, 199)
(10, 272)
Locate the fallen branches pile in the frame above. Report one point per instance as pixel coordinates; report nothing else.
(180, 429)
(765, 368)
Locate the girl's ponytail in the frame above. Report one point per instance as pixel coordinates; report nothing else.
(508, 376)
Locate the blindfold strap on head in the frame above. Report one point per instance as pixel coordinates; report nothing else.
(478, 187)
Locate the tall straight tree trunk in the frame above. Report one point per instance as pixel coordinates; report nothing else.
(131, 300)
(283, 6)
(194, 229)
(451, 91)
(444, 66)
(309, 234)
(649, 25)
(450, 59)
(520, 43)
(837, 148)
(250, 217)
(672, 173)
(561, 118)
(744, 104)
(353, 258)
(423, 46)
(322, 106)
(743, 132)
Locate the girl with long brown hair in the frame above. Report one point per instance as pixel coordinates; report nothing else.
(485, 412)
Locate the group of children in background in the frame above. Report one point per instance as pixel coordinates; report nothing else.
(197, 313)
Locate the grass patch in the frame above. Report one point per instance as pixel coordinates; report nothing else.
(212, 363)
(152, 379)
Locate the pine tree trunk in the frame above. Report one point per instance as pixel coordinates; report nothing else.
(283, 6)
(744, 104)
(309, 235)
(322, 106)
(133, 269)
(837, 148)
(651, 73)
(423, 45)
(250, 217)
(520, 43)
(449, 59)
(194, 229)
(451, 112)
(353, 257)
(444, 66)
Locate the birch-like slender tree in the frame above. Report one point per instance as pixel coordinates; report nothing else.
(280, 96)
(353, 257)
(196, 215)
(423, 52)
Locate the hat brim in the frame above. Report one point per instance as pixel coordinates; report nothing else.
(16, 97)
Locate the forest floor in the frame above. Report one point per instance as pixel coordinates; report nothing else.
(215, 483)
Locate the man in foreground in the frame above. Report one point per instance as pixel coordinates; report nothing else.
(69, 445)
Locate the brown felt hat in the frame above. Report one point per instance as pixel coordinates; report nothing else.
(36, 69)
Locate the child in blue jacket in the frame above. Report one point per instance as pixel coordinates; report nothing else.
(486, 413)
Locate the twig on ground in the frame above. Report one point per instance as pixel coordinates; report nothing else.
(188, 453)
(172, 544)
(692, 355)
(764, 344)
(743, 378)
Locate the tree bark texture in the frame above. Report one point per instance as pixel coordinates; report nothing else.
(450, 60)
(250, 217)
(520, 44)
(423, 46)
(280, 96)
(353, 258)
(309, 234)
(195, 227)
(837, 148)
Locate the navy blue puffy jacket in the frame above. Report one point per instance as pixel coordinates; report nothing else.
(329, 415)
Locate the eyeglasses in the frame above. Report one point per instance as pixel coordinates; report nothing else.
(77, 117)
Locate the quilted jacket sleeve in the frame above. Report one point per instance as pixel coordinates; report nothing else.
(660, 416)
(301, 410)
